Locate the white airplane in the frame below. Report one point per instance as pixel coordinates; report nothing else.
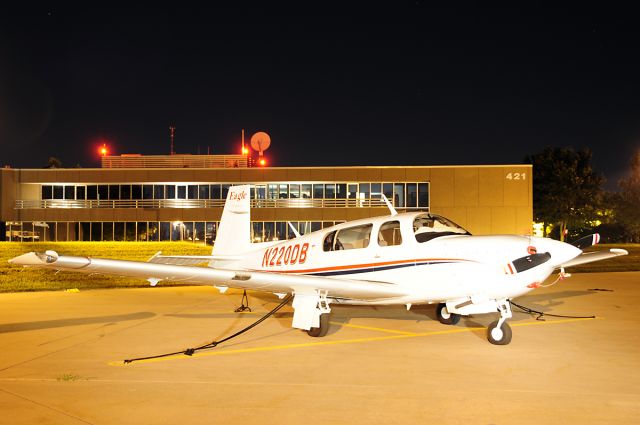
(398, 259)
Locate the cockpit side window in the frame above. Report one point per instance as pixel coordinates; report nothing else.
(353, 237)
(349, 238)
(427, 227)
(327, 244)
(389, 234)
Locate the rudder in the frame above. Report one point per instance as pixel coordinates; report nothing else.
(233, 233)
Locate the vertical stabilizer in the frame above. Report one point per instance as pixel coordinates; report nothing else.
(232, 237)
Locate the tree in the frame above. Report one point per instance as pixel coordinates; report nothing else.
(566, 190)
(627, 201)
(53, 162)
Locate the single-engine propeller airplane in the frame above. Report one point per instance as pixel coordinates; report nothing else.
(399, 259)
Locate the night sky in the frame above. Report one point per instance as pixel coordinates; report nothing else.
(405, 84)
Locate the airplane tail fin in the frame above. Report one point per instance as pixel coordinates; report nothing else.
(233, 235)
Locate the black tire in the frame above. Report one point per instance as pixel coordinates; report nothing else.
(445, 317)
(323, 329)
(500, 336)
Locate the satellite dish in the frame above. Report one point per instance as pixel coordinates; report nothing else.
(260, 142)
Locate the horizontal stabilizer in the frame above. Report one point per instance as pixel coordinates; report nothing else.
(589, 257)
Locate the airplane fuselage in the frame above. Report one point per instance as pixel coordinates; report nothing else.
(444, 267)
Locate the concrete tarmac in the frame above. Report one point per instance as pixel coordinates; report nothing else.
(61, 360)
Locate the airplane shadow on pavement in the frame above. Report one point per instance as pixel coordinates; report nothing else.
(59, 323)
(546, 301)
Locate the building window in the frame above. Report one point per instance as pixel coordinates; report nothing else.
(147, 191)
(318, 191)
(398, 195)
(204, 191)
(58, 192)
(387, 189)
(376, 190)
(353, 191)
(412, 196)
(329, 191)
(294, 191)
(364, 193)
(260, 191)
(339, 195)
(107, 231)
(103, 192)
(423, 195)
(257, 228)
(216, 192)
(158, 191)
(114, 192)
(283, 191)
(141, 231)
(153, 231)
(305, 191)
(92, 192)
(281, 230)
(136, 191)
(272, 191)
(192, 191)
(165, 231)
(269, 231)
(125, 191)
(47, 192)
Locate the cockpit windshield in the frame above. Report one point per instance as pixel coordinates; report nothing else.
(430, 226)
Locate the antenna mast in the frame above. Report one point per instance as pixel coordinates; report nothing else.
(172, 131)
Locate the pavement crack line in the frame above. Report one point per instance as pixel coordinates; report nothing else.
(45, 406)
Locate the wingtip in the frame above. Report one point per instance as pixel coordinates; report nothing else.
(33, 258)
(619, 251)
(23, 259)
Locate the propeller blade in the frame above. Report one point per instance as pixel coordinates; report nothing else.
(525, 263)
(587, 241)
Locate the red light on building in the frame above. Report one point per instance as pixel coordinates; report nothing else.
(263, 162)
(245, 151)
(103, 150)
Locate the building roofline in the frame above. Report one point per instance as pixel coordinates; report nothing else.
(285, 168)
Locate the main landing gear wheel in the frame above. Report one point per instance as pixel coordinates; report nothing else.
(499, 335)
(445, 317)
(323, 329)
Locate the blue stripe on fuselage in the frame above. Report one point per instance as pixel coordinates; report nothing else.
(377, 268)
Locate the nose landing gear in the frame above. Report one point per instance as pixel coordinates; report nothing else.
(499, 332)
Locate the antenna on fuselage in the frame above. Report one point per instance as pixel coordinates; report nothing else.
(392, 211)
(295, 232)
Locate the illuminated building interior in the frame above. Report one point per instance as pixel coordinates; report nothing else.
(130, 203)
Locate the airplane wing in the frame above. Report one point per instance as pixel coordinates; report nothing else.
(588, 257)
(156, 272)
